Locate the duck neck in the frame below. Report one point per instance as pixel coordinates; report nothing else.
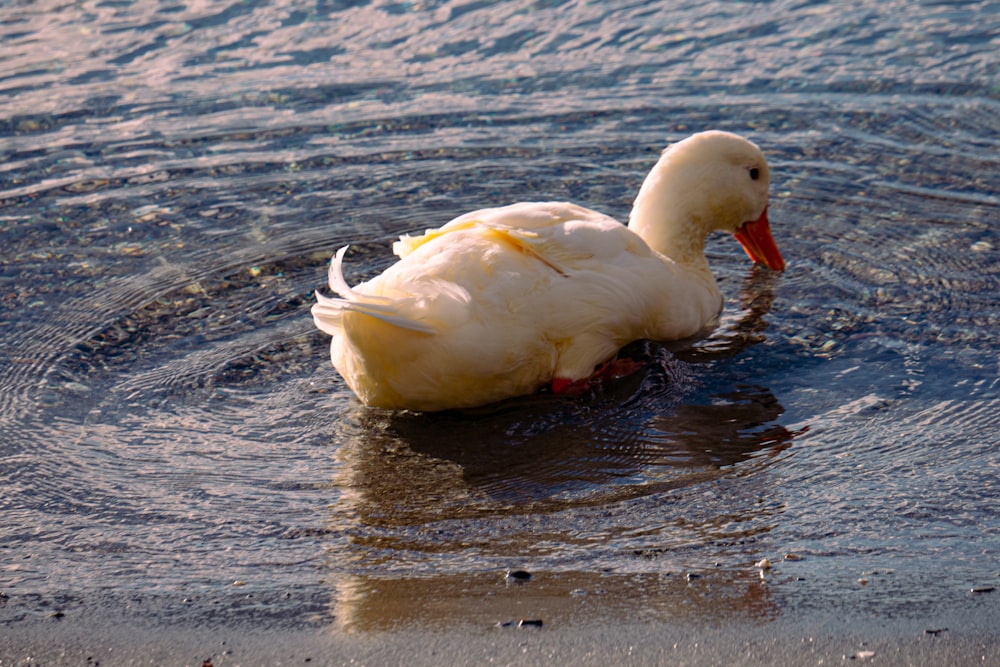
(660, 217)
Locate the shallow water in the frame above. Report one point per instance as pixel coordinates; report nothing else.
(176, 445)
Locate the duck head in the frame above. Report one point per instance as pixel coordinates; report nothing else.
(711, 181)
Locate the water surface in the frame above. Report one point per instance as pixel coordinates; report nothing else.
(176, 446)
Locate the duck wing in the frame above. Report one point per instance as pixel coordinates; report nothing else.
(561, 235)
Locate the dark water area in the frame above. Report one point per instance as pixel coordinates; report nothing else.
(176, 446)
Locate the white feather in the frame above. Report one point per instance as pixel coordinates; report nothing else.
(328, 314)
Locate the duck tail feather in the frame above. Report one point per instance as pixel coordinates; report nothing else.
(328, 313)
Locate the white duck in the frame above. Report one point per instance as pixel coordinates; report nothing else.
(503, 301)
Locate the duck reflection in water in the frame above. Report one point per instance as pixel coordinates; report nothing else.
(528, 450)
(458, 489)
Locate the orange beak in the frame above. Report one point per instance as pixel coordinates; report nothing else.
(756, 239)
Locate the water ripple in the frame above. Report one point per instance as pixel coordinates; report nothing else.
(174, 180)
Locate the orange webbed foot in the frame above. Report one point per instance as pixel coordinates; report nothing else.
(605, 373)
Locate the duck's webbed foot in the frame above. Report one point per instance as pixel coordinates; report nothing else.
(605, 373)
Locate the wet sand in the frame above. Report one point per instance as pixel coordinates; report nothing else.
(790, 615)
(808, 640)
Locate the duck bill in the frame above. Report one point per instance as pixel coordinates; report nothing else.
(756, 239)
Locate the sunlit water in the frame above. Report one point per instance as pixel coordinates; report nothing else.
(174, 178)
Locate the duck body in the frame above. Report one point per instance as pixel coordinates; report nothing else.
(501, 302)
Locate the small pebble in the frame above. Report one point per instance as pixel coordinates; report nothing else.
(693, 575)
(863, 581)
(793, 556)
(518, 575)
(982, 589)
(763, 564)
(523, 623)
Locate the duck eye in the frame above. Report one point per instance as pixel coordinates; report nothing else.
(754, 173)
